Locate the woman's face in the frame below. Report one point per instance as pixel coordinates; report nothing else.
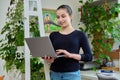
(63, 18)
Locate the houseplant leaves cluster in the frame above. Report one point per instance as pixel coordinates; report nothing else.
(14, 38)
(101, 24)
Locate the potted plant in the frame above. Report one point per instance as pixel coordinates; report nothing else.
(14, 39)
(102, 25)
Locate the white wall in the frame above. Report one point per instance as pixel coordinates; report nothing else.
(3, 10)
(74, 4)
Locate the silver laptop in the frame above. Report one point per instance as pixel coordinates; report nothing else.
(41, 46)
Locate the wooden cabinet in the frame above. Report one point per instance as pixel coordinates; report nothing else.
(114, 54)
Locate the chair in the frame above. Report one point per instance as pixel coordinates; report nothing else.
(107, 76)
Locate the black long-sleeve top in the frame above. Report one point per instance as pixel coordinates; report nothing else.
(72, 43)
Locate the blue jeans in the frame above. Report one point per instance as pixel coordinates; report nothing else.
(65, 75)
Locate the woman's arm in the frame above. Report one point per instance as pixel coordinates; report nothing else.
(68, 55)
(87, 55)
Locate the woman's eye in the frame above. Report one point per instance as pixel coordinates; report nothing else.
(58, 17)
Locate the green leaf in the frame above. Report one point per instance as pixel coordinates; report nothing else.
(80, 1)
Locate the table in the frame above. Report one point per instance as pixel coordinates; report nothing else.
(91, 75)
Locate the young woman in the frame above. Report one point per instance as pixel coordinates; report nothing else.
(68, 42)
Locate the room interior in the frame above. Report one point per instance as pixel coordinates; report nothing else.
(87, 72)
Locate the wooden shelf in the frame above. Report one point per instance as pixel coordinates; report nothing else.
(111, 68)
(114, 54)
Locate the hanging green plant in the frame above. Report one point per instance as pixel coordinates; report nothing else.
(101, 24)
(14, 38)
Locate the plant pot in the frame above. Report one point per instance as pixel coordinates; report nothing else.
(111, 68)
(2, 77)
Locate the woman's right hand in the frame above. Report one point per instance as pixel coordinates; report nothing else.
(49, 59)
